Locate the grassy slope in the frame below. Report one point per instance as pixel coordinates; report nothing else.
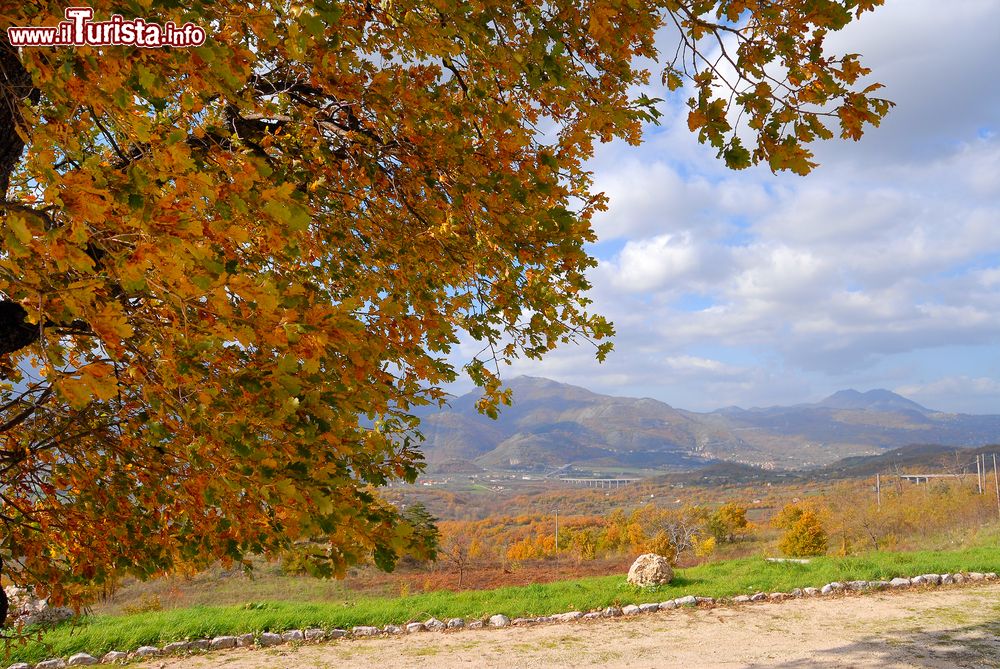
(99, 634)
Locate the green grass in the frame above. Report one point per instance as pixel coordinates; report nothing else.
(101, 633)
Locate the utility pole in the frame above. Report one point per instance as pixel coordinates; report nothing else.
(984, 474)
(996, 482)
(557, 532)
(979, 475)
(878, 491)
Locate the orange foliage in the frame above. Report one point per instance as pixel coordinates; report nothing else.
(232, 272)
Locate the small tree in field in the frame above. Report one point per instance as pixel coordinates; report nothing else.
(729, 523)
(804, 534)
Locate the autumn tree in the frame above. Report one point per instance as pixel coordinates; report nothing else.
(674, 532)
(425, 530)
(228, 273)
(804, 534)
(729, 523)
(459, 548)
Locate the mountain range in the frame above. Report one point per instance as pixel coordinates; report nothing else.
(552, 425)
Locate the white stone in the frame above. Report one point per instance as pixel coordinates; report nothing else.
(269, 639)
(176, 647)
(976, 576)
(523, 621)
(631, 610)
(878, 585)
(499, 620)
(810, 592)
(568, 616)
(220, 642)
(293, 635)
(476, 625)
(933, 579)
(831, 587)
(666, 606)
(456, 623)
(612, 612)
(20, 665)
(81, 659)
(388, 629)
(314, 634)
(899, 582)
(650, 569)
(777, 596)
(244, 640)
(687, 600)
(200, 644)
(918, 580)
(947, 579)
(365, 630)
(741, 599)
(435, 625)
(797, 592)
(758, 597)
(592, 615)
(415, 627)
(57, 663)
(991, 576)
(705, 600)
(114, 656)
(649, 608)
(336, 634)
(857, 585)
(146, 651)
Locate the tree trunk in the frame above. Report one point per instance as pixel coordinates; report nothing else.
(4, 604)
(15, 331)
(15, 86)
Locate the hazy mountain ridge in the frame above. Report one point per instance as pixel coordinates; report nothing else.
(552, 424)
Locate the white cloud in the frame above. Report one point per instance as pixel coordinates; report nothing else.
(881, 269)
(978, 394)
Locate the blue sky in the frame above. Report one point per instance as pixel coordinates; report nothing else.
(880, 269)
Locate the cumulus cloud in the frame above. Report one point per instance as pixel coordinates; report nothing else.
(881, 269)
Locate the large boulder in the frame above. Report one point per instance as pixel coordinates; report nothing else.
(25, 609)
(650, 569)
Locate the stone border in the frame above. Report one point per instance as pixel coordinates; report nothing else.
(268, 639)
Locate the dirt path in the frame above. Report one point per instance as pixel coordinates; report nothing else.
(945, 628)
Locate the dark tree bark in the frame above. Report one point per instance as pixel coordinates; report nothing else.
(15, 86)
(4, 604)
(3, 608)
(15, 331)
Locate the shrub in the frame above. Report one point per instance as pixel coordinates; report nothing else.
(805, 536)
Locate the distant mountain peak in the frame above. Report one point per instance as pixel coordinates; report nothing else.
(878, 399)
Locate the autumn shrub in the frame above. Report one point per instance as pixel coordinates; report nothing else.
(147, 603)
(729, 523)
(663, 546)
(804, 534)
(906, 515)
(705, 547)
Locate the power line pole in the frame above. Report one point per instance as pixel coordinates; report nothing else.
(979, 475)
(996, 482)
(878, 491)
(557, 532)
